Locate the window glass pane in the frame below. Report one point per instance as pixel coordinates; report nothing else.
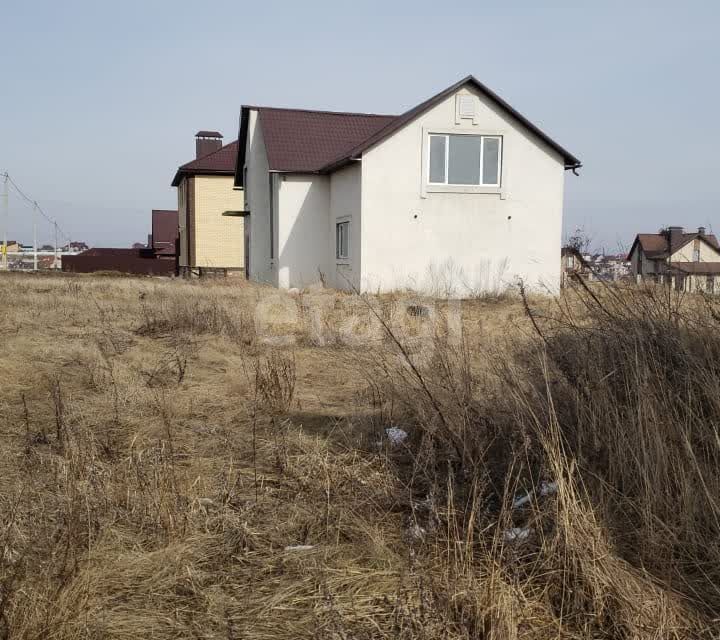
(464, 160)
(437, 158)
(491, 155)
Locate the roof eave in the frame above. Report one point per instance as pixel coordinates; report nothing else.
(569, 160)
(184, 173)
(242, 144)
(336, 165)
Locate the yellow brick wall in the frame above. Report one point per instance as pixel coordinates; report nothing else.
(219, 240)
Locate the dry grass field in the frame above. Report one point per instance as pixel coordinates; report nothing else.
(210, 460)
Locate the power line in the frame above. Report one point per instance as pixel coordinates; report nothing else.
(34, 203)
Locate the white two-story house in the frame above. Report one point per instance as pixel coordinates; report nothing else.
(459, 194)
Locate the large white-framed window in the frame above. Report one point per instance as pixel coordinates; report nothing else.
(464, 160)
(342, 239)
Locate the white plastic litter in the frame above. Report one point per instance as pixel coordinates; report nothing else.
(517, 534)
(396, 436)
(546, 488)
(299, 547)
(416, 532)
(519, 502)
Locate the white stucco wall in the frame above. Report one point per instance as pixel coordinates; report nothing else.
(305, 210)
(686, 253)
(302, 203)
(455, 242)
(257, 201)
(345, 190)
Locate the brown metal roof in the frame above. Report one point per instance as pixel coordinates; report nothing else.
(220, 162)
(656, 246)
(697, 268)
(571, 162)
(321, 141)
(306, 141)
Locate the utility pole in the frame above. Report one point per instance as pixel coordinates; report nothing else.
(6, 218)
(56, 248)
(35, 208)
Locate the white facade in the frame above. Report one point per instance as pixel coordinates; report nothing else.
(474, 239)
(257, 199)
(405, 233)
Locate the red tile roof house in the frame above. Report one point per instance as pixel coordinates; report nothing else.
(686, 261)
(459, 194)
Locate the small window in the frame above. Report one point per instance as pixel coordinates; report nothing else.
(710, 284)
(465, 160)
(696, 255)
(342, 237)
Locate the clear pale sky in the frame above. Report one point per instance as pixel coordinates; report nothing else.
(99, 100)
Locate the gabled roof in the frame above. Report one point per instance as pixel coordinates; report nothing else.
(303, 141)
(220, 162)
(571, 162)
(306, 141)
(656, 246)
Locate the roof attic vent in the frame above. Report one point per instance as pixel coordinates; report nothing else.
(466, 105)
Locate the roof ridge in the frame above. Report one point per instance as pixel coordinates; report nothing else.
(324, 111)
(207, 155)
(571, 162)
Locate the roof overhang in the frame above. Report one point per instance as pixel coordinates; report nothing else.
(570, 162)
(242, 145)
(185, 173)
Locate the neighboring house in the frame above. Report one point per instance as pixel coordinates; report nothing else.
(164, 236)
(49, 262)
(612, 267)
(686, 261)
(210, 210)
(75, 247)
(12, 246)
(600, 266)
(461, 189)
(573, 265)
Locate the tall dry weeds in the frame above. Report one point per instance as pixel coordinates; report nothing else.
(608, 423)
(164, 474)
